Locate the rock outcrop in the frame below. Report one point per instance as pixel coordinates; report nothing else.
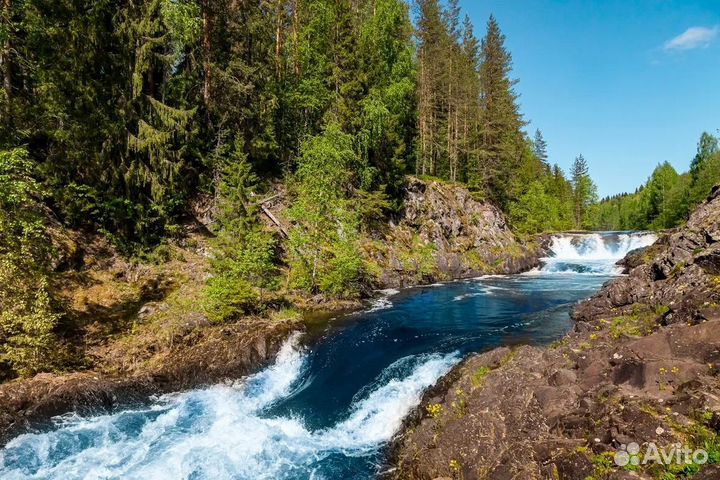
(642, 365)
(444, 233)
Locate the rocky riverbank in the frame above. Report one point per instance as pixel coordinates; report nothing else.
(640, 366)
(443, 233)
(204, 356)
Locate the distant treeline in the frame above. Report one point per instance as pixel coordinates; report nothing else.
(667, 198)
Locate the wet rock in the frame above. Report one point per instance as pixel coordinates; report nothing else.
(710, 472)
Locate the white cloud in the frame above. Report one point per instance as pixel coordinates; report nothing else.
(693, 37)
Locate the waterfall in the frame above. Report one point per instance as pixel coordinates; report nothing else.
(592, 253)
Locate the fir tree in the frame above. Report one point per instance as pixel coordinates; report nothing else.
(540, 149)
(501, 138)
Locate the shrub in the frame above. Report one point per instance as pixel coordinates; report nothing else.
(28, 342)
(228, 297)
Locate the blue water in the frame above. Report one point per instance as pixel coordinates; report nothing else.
(334, 397)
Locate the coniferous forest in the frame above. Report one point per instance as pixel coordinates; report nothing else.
(122, 118)
(127, 111)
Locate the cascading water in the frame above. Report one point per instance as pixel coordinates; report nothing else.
(593, 253)
(326, 409)
(221, 432)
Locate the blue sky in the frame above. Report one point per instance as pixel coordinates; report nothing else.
(627, 83)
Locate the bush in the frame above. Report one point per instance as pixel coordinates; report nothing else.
(28, 342)
(228, 297)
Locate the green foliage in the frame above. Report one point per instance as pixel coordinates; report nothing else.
(324, 241)
(28, 320)
(227, 297)
(536, 211)
(584, 191)
(244, 255)
(478, 377)
(667, 198)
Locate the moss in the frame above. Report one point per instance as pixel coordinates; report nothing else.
(476, 261)
(677, 269)
(285, 315)
(478, 376)
(642, 321)
(419, 258)
(603, 464)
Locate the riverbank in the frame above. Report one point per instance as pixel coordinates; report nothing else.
(640, 366)
(136, 328)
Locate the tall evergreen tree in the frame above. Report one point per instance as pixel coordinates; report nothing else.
(501, 138)
(584, 190)
(540, 149)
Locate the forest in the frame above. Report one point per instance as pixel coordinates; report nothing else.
(119, 118)
(129, 111)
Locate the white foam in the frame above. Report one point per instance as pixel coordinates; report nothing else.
(388, 292)
(221, 432)
(383, 302)
(593, 253)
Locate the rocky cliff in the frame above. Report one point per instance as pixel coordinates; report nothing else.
(642, 365)
(443, 233)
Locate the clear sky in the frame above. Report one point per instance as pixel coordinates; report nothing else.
(627, 83)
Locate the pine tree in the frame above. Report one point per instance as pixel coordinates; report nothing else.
(584, 190)
(502, 139)
(244, 254)
(540, 149)
(432, 38)
(470, 98)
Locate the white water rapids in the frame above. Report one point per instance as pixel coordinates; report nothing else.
(592, 253)
(219, 432)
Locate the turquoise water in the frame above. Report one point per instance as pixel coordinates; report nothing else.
(332, 400)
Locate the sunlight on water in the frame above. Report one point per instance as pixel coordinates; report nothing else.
(220, 432)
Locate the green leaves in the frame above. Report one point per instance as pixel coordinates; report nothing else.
(666, 199)
(324, 253)
(243, 253)
(27, 318)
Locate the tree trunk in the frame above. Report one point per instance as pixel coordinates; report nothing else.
(296, 37)
(6, 52)
(279, 22)
(206, 45)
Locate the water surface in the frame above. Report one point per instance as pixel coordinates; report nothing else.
(330, 402)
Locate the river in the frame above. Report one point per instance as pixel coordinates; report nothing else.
(333, 398)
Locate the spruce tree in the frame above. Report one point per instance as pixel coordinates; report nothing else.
(501, 137)
(540, 149)
(584, 190)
